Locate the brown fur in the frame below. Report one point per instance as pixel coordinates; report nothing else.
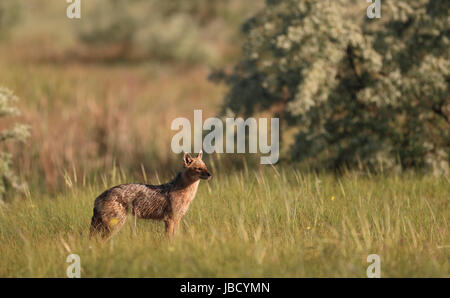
(167, 202)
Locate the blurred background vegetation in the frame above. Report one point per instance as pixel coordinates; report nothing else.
(103, 90)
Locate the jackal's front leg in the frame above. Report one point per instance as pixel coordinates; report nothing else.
(176, 224)
(170, 226)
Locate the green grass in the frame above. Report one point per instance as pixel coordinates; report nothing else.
(271, 222)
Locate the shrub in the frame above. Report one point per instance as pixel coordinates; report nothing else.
(19, 132)
(357, 90)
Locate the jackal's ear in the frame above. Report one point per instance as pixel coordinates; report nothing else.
(200, 154)
(187, 159)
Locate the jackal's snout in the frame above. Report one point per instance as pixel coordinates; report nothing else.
(206, 175)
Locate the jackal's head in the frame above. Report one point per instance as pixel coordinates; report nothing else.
(195, 168)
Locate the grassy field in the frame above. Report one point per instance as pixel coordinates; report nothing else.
(87, 115)
(265, 223)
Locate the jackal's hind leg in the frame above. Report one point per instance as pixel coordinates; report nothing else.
(109, 221)
(98, 227)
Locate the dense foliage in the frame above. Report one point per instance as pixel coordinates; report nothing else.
(358, 90)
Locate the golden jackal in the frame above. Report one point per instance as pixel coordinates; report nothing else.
(167, 202)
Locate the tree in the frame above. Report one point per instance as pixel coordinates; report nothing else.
(19, 132)
(357, 90)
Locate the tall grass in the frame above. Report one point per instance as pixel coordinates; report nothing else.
(88, 116)
(272, 222)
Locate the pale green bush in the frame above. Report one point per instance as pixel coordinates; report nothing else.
(358, 91)
(19, 132)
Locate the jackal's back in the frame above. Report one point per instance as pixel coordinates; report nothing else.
(144, 201)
